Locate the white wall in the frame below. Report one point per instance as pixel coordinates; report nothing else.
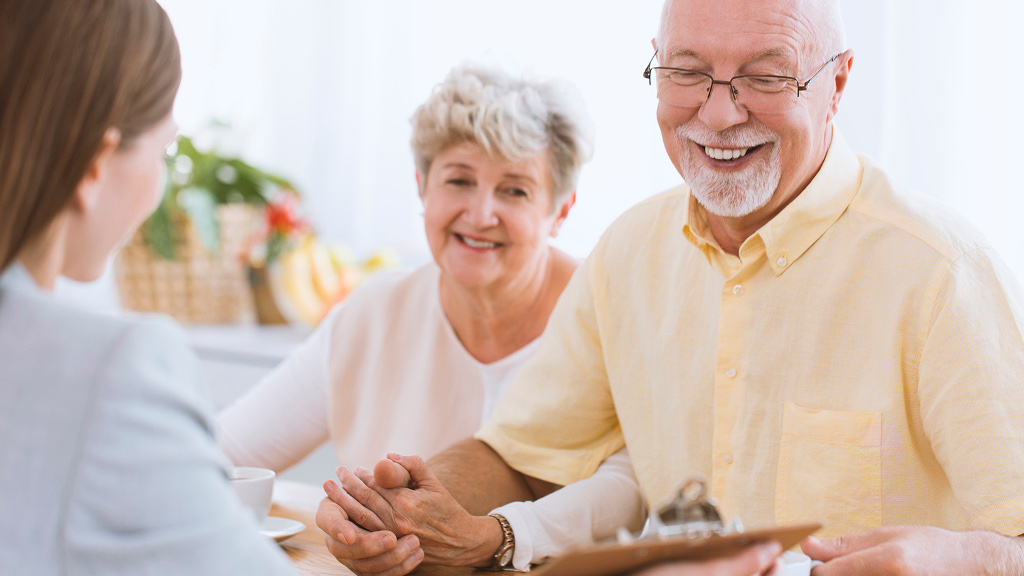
(321, 91)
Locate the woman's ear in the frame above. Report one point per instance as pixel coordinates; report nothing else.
(88, 191)
(420, 183)
(562, 213)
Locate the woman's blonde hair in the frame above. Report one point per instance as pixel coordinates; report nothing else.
(69, 71)
(510, 117)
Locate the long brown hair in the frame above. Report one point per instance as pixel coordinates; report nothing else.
(69, 71)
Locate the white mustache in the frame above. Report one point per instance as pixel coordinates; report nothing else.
(746, 136)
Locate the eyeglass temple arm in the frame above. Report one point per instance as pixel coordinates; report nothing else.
(800, 88)
(647, 71)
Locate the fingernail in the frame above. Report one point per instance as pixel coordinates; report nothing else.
(361, 470)
(395, 457)
(387, 539)
(342, 539)
(813, 541)
(329, 486)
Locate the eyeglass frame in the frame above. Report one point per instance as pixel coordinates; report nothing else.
(732, 89)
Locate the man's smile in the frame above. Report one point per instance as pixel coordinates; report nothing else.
(730, 157)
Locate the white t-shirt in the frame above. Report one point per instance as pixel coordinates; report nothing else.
(385, 372)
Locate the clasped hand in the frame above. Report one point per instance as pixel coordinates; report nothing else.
(388, 522)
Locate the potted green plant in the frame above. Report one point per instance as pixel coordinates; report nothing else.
(189, 259)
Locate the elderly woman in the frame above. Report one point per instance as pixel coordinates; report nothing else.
(108, 463)
(415, 361)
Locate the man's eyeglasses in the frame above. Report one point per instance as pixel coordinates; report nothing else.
(756, 92)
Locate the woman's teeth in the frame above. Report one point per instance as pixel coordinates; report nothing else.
(475, 244)
(720, 154)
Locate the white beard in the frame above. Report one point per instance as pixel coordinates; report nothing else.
(730, 194)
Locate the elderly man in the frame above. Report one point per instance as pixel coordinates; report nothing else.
(816, 341)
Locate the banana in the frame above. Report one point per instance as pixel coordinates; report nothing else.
(325, 277)
(291, 279)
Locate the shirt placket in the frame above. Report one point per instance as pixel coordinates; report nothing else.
(730, 382)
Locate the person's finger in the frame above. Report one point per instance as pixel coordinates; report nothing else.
(752, 561)
(420, 474)
(828, 549)
(867, 562)
(775, 569)
(393, 561)
(390, 474)
(333, 520)
(354, 495)
(364, 545)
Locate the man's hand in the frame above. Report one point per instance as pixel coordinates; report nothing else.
(912, 550)
(758, 559)
(377, 553)
(412, 502)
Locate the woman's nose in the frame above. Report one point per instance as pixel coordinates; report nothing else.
(481, 209)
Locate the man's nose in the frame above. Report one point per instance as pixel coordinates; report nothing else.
(720, 110)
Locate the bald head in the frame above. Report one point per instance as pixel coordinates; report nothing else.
(822, 33)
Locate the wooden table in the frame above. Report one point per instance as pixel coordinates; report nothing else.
(308, 549)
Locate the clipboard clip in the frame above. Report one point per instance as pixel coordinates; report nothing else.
(691, 514)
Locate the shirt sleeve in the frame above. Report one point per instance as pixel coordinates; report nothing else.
(577, 515)
(149, 493)
(557, 420)
(285, 417)
(971, 389)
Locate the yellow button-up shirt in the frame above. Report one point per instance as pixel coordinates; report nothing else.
(860, 362)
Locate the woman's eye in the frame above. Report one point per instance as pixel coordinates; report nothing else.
(517, 192)
(457, 182)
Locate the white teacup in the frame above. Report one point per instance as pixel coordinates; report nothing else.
(795, 564)
(254, 487)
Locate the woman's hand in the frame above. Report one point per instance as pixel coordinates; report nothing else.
(377, 553)
(409, 500)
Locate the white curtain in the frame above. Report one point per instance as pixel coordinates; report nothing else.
(321, 91)
(936, 97)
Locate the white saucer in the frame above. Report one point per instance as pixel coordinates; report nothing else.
(281, 528)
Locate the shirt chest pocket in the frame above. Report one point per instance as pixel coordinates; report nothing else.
(830, 469)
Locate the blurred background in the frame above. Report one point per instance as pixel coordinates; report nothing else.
(320, 92)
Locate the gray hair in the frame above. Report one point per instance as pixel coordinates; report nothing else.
(509, 117)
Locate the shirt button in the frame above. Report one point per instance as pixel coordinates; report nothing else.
(738, 289)
(727, 457)
(731, 372)
(782, 262)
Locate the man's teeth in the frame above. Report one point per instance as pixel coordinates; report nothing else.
(474, 244)
(720, 154)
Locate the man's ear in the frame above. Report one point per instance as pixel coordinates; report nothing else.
(842, 76)
(88, 191)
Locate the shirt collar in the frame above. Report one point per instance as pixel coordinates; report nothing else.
(16, 277)
(791, 232)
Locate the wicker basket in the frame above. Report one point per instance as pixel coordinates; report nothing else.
(196, 287)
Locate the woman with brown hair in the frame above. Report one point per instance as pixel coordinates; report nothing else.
(107, 462)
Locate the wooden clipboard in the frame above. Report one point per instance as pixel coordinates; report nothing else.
(614, 559)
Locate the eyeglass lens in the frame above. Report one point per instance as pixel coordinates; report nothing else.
(755, 93)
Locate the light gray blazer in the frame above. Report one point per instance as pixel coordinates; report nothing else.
(107, 460)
